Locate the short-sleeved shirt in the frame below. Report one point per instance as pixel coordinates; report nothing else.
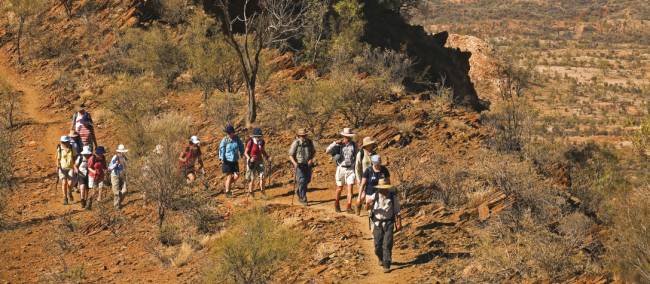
(302, 151)
(372, 177)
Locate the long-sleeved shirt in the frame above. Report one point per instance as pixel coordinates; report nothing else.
(115, 168)
(384, 207)
(360, 165)
(230, 149)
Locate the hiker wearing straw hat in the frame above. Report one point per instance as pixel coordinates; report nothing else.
(344, 153)
(370, 178)
(255, 154)
(81, 167)
(362, 163)
(301, 155)
(65, 164)
(97, 168)
(82, 124)
(230, 149)
(117, 167)
(385, 220)
(188, 159)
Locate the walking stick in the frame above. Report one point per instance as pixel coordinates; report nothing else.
(295, 184)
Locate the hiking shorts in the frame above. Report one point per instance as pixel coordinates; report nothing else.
(82, 180)
(229, 167)
(65, 174)
(255, 170)
(92, 183)
(345, 176)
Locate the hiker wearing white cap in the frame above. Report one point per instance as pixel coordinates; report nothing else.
(255, 154)
(81, 168)
(362, 163)
(386, 220)
(344, 153)
(65, 167)
(369, 179)
(188, 159)
(117, 167)
(301, 154)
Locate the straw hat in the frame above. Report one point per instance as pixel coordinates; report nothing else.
(86, 151)
(367, 141)
(121, 149)
(383, 184)
(347, 132)
(301, 132)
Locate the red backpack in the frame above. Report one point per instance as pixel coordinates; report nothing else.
(254, 150)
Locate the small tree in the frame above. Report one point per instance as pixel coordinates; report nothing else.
(213, 63)
(314, 104)
(22, 10)
(357, 96)
(270, 23)
(6, 167)
(641, 139)
(252, 250)
(132, 101)
(223, 108)
(8, 103)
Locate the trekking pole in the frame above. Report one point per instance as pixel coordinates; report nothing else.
(295, 184)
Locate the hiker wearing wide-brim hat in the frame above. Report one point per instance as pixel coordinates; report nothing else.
(301, 155)
(255, 153)
(65, 157)
(81, 168)
(385, 219)
(362, 163)
(189, 157)
(118, 169)
(231, 149)
(344, 153)
(97, 168)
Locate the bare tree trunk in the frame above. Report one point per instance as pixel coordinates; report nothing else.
(252, 104)
(20, 34)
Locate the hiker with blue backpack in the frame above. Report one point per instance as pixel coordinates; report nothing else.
(344, 153)
(385, 220)
(231, 149)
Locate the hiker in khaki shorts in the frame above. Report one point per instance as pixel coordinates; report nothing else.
(117, 167)
(344, 153)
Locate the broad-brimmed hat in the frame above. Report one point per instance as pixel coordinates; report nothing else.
(195, 140)
(65, 139)
(158, 150)
(347, 132)
(229, 129)
(257, 132)
(73, 134)
(382, 184)
(100, 150)
(86, 151)
(301, 132)
(121, 149)
(367, 141)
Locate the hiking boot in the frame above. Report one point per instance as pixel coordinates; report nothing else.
(358, 209)
(229, 194)
(303, 202)
(337, 208)
(381, 262)
(89, 203)
(349, 209)
(386, 269)
(65, 201)
(82, 203)
(70, 197)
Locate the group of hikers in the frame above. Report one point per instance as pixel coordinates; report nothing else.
(82, 166)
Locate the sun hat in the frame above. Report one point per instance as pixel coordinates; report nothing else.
(100, 150)
(375, 159)
(383, 184)
(230, 129)
(301, 132)
(86, 151)
(257, 132)
(73, 134)
(121, 149)
(347, 132)
(367, 141)
(158, 150)
(65, 139)
(194, 139)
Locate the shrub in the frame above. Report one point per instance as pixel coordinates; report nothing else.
(252, 249)
(169, 235)
(314, 104)
(223, 108)
(388, 64)
(641, 138)
(357, 96)
(173, 12)
(9, 100)
(6, 166)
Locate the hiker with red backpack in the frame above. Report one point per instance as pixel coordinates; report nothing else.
(344, 153)
(97, 168)
(362, 163)
(230, 150)
(65, 155)
(188, 159)
(81, 168)
(255, 154)
(83, 125)
(301, 155)
(386, 220)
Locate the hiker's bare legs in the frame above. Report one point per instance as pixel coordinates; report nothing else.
(65, 188)
(262, 183)
(338, 197)
(83, 192)
(349, 197)
(228, 183)
(250, 186)
(361, 197)
(100, 190)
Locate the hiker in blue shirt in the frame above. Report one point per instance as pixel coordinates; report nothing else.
(231, 149)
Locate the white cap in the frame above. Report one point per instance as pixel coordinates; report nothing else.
(121, 149)
(86, 151)
(195, 140)
(375, 159)
(65, 138)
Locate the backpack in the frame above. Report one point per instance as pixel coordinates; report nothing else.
(337, 153)
(250, 144)
(91, 164)
(391, 197)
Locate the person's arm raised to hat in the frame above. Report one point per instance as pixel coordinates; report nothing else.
(331, 147)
